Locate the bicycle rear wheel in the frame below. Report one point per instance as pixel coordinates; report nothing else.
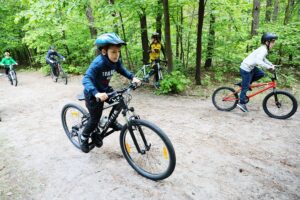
(148, 150)
(13, 77)
(74, 119)
(280, 105)
(225, 98)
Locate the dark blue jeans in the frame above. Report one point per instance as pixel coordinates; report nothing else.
(247, 79)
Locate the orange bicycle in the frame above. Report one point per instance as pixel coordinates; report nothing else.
(277, 104)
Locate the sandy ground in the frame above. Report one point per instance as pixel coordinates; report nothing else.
(220, 155)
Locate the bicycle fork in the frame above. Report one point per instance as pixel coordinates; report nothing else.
(277, 103)
(132, 134)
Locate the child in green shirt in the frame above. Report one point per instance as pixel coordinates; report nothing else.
(7, 61)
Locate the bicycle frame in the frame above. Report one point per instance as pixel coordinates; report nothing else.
(121, 106)
(266, 86)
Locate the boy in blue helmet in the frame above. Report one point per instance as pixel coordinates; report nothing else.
(249, 70)
(96, 82)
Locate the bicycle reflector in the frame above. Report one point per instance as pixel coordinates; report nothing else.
(128, 148)
(74, 113)
(165, 152)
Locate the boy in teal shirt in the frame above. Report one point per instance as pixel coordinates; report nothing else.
(7, 61)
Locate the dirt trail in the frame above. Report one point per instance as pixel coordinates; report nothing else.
(220, 155)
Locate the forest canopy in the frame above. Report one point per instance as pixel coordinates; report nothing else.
(229, 31)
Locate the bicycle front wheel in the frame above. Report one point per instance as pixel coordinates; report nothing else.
(74, 119)
(64, 77)
(147, 149)
(225, 98)
(13, 76)
(280, 105)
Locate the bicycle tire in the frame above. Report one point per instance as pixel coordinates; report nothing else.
(74, 130)
(13, 76)
(10, 78)
(282, 97)
(136, 127)
(64, 76)
(223, 92)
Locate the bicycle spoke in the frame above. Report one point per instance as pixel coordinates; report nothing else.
(154, 160)
(280, 107)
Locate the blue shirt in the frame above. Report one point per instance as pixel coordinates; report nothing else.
(51, 56)
(96, 78)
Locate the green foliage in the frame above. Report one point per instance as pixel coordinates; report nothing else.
(45, 69)
(175, 82)
(74, 70)
(207, 80)
(29, 27)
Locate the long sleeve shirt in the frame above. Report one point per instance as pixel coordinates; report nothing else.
(8, 61)
(98, 75)
(50, 57)
(256, 58)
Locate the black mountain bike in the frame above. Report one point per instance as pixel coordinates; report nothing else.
(145, 146)
(58, 73)
(12, 75)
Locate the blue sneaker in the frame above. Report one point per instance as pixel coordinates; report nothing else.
(242, 107)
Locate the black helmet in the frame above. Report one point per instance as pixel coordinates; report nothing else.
(108, 39)
(267, 37)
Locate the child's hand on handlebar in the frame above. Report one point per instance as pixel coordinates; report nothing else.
(272, 68)
(101, 96)
(137, 81)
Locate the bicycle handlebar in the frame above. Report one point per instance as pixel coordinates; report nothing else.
(119, 92)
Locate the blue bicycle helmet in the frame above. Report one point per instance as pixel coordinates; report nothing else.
(108, 39)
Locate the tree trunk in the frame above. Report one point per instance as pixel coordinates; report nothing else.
(181, 35)
(90, 18)
(168, 35)
(188, 39)
(144, 35)
(275, 11)
(158, 19)
(126, 48)
(268, 10)
(177, 34)
(255, 16)
(211, 42)
(288, 11)
(199, 41)
(114, 15)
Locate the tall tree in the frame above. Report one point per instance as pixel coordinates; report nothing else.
(168, 35)
(199, 41)
(91, 20)
(158, 19)
(189, 38)
(144, 34)
(288, 11)
(211, 41)
(275, 11)
(255, 17)
(268, 11)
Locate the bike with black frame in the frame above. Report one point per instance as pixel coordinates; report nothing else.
(58, 73)
(145, 146)
(12, 75)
